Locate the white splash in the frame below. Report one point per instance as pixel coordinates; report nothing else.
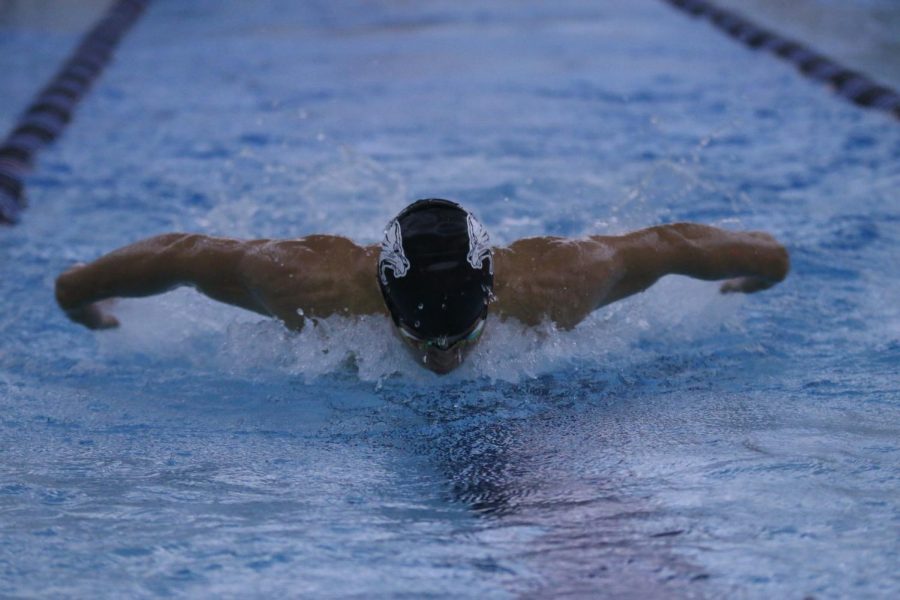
(187, 328)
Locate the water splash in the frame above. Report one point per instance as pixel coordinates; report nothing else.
(192, 330)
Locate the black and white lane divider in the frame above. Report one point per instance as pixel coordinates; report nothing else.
(849, 84)
(51, 109)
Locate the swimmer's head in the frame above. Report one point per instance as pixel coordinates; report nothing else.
(436, 273)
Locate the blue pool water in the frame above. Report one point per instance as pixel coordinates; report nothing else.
(678, 444)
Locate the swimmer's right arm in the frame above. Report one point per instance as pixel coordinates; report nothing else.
(153, 266)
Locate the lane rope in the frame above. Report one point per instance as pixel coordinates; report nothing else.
(846, 83)
(51, 109)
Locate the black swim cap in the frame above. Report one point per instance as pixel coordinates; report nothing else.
(436, 270)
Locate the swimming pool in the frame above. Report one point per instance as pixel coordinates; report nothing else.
(679, 444)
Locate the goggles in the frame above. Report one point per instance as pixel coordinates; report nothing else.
(466, 338)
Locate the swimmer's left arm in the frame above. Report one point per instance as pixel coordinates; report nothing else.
(563, 280)
(748, 261)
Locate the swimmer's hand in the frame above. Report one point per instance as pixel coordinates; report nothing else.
(768, 258)
(93, 315)
(746, 285)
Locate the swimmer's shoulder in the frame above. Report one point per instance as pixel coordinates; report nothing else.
(314, 250)
(555, 278)
(545, 256)
(322, 274)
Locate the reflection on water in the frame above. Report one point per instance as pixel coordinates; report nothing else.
(553, 493)
(584, 530)
(863, 35)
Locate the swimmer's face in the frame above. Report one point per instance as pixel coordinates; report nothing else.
(441, 356)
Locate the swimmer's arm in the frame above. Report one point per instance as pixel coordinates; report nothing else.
(563, 281)
(153, 266)
(748, 261)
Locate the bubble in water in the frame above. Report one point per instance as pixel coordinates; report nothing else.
(417, 324)
(420, 306)
(300, 311)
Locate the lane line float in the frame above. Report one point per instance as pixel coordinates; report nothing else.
(846, 83)
(51, 109)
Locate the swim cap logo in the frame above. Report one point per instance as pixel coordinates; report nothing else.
(392, 255)
(479, 245)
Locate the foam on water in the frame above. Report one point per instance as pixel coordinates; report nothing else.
(182, 327)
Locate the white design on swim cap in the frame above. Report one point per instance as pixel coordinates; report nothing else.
(479, 244)
(392, 255)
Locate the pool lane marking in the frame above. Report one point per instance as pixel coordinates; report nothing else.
(850, 85)
(51, 109)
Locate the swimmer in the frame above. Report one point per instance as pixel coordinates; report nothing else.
(435, 275)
